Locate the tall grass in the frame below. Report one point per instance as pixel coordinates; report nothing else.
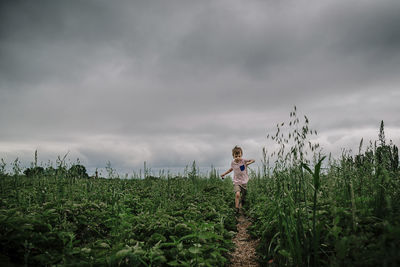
(313, 210)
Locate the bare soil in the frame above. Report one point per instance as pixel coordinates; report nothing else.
(245, 251)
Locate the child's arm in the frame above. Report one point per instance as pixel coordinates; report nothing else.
(225, 173)
(250, 162)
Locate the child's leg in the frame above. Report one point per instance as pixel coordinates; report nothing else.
(237, 199)
(243, 196)
(237, 195)
(243, 191)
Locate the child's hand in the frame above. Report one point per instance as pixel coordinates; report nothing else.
(222, 176)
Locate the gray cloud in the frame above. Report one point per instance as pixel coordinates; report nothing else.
(174, 81)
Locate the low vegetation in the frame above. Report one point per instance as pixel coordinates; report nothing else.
(60, 219)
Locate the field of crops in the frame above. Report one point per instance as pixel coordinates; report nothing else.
(69, 221)
(307, 210)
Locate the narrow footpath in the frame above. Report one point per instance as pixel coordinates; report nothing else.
(245, 251)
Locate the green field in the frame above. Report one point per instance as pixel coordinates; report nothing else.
(84, 221)
(307, 210)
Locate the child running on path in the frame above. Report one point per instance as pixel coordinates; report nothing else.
(240, 176)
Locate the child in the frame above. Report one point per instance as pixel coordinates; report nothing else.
(240, 176)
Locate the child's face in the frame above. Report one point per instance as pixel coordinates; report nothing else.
(237, 157)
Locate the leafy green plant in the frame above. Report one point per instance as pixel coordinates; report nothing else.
(316, 185)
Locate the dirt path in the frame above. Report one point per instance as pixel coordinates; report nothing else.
(245, 251)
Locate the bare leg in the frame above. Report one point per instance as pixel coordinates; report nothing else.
(243, 197)
(237, 199)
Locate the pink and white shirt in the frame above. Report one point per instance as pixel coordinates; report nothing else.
(240, 175)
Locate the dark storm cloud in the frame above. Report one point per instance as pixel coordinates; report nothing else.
(175, 81)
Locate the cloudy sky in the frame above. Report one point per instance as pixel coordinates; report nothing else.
(169, 82)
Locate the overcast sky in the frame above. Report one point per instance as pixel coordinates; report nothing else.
(169, 82)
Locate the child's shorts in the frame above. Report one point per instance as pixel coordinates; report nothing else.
(242, 188)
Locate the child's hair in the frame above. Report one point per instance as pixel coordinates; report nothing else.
(237, 150)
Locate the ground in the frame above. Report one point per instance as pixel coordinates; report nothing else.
(245, 251)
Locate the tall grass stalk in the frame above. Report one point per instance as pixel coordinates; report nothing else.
(316, 183)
